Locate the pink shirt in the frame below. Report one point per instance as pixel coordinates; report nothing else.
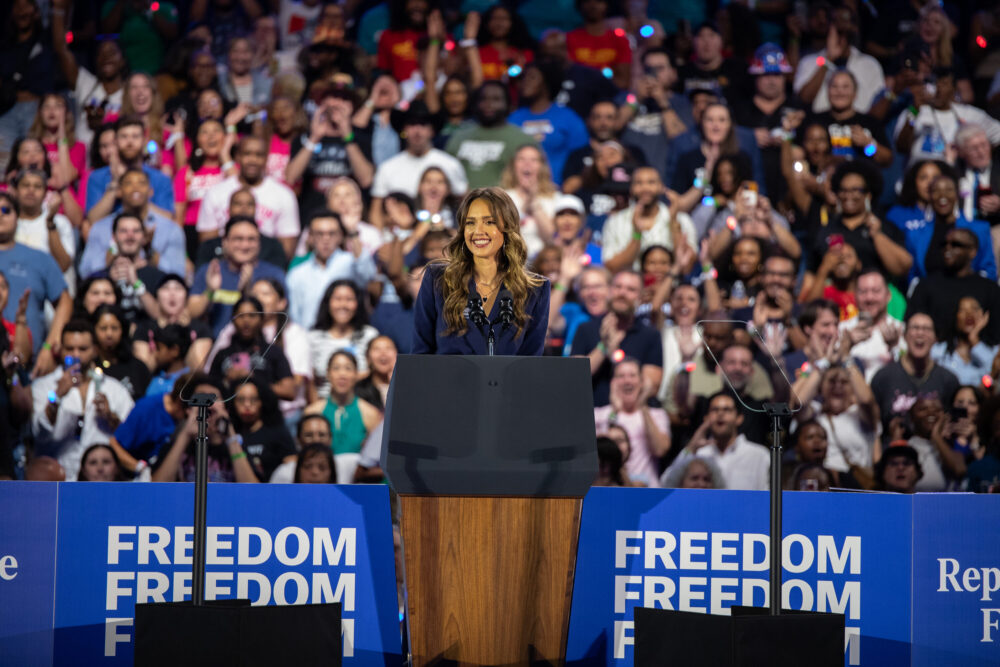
(278, 155)
(190, 188)
(77, 158)
(641, 465)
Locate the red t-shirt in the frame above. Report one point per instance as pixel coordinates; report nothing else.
(600, 51)
(397, 52)
(848, 305)
(495, 67)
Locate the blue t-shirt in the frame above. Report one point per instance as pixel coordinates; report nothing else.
(221, 311)
(27, 268)
(163, 382)
(147, 430)
(396, 322)
(918, 233)
(558, 130)
(163, 189)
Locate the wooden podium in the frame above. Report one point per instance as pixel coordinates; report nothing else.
(491, 457)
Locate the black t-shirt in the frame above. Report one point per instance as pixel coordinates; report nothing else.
(841, 144)
(131, 301)
(146, 331)
(583, 157)
(328, 163)
(266, 448)
(859, 238)
(938, 296)
(641, 342)
(582, 87)
(268, 364)
(731, 76)
(748, 114)
(896, 391)
(132, 373)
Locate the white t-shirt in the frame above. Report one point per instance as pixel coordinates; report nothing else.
(89, 91)
(34, 233)
(935, 129)
(873, 353)
(402, 172)
(847, 435)
(866, 70)
(277, 208)
(618, 230)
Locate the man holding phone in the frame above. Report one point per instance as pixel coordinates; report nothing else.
(76, 405)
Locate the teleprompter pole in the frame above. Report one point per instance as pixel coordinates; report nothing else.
(777, 412)
(203, 402)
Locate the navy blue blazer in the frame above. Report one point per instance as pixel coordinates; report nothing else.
(429, 324)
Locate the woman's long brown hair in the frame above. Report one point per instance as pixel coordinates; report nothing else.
(459, 266)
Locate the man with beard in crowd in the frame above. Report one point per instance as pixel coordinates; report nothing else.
(601, 339)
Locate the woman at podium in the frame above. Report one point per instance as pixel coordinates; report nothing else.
(482, 292)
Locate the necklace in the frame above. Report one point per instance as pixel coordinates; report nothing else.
(489, 292)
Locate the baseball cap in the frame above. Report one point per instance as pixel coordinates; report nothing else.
(569, 203)
(769, 59)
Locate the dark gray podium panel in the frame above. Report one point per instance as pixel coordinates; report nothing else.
(476, 425)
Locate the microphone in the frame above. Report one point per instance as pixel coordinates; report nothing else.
(475, 312)
(506, 314)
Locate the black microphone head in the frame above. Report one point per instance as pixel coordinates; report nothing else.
(505, 296)
(474, 311)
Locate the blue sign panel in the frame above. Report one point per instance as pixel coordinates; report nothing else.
(120, 544)
(705, 551)
(956, 580)
(27, 561)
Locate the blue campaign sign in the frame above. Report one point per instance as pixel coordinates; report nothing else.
(274, 544)
(956, 580)
(706, 551)
(27, 560)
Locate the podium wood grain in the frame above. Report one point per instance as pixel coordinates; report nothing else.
(489, 579)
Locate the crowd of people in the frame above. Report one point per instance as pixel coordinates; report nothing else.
(735, 203)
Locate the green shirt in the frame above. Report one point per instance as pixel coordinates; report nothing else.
(485, 151)
(141, 43)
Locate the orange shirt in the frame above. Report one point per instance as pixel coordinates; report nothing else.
(598, 52)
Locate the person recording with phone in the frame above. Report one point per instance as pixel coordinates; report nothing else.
(76, 405)
(227, 460)
(482, 285)
(332, 148)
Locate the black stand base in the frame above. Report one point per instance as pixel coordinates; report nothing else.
(231, 632)
(750, 637)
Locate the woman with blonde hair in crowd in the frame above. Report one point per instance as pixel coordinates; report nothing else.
(527, 179)
(142, 99)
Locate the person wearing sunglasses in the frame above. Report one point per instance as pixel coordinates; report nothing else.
(955, 281)
(926, 242)
(856, 186)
